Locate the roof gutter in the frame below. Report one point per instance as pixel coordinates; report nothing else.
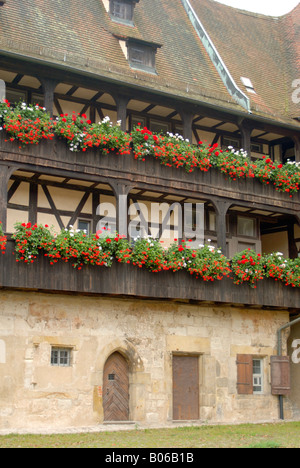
(215, 57)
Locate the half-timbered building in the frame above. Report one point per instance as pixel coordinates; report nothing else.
(95, 345)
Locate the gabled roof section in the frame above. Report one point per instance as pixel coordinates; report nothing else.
(215, 57)
(264, 49)
(80, 36)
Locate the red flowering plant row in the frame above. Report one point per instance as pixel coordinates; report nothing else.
(69, 245)
(31, 124)
(171, 150)
(27, 124)
(101, 249)
(207, 262)
(284, 177)
(281, 269)
(81, 134)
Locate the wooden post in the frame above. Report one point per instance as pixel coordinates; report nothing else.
(187, 121)
(221, 208)
(48, 85)
(246, 131)
(297, 148)
(5, 173)
(121, 191)
(293, 250)
(121, 102)
(33, 199)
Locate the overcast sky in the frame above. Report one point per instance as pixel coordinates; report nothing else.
(266, 7)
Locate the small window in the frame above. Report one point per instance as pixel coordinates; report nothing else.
(257, 376)
(37, 99)
(84, 226)
(122, 10)
(111, 376)
(61, 357)
(250, 370)
(15, 96)
(159, 127)
(235, 143)
(141, 55)
(246, 227)
(137, 121)
(257, 148)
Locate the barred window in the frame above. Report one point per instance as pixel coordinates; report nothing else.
(61, 357)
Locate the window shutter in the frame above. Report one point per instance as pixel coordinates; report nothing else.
(244, 374)
(280, 375)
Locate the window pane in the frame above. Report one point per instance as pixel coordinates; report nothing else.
(246, 227)
(159, 127)
(121, 9)
(60, 357)
(257, 376)
(137, 55)
(256, 366)
(84, 226)
(54, 357)
(64, 358)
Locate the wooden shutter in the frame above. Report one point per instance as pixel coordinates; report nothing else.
(280, 375)
(244, 374)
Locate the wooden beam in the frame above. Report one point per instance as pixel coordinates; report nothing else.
(33, 202)
(5, 174)
(79, 209)
(53, 207)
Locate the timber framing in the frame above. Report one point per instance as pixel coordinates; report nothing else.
(55, 159)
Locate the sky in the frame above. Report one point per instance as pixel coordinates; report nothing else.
(266, 7)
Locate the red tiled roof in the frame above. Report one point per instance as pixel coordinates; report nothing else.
(82, 36)
(262, 48)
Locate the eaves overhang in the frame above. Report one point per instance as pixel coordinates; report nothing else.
(189, 100)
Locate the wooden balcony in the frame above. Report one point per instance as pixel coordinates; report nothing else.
(54, 158)
(130, 281)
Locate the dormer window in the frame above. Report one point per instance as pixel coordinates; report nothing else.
(122, 10)
(141, 55)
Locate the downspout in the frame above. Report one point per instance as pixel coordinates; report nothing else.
(279, 352)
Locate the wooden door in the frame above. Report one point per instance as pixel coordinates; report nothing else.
(185, 387)
(116, 389)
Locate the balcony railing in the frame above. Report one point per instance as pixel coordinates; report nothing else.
(54, 158)
(130, 281)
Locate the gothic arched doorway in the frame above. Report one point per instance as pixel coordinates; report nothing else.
(116, 388)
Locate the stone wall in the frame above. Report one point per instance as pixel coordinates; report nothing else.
(35, 394)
